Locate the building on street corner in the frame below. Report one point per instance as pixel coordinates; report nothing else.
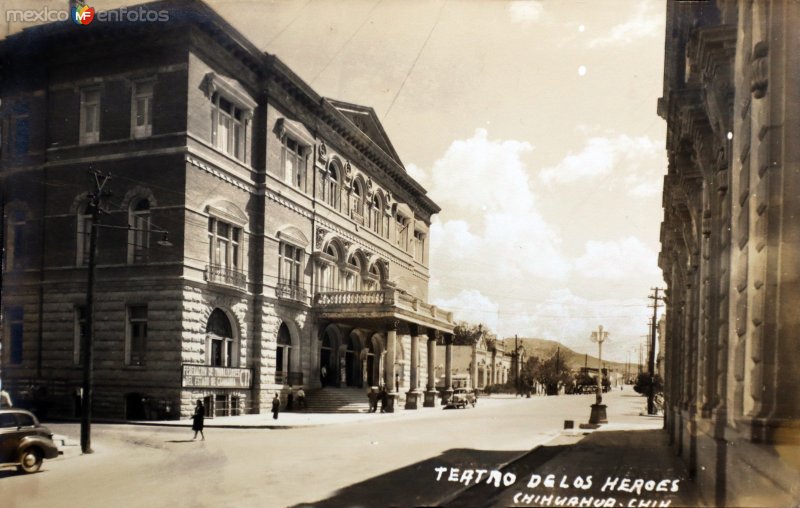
(731, 247)
(300, 244)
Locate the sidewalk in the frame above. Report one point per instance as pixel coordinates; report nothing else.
(295, 419)
(618, 464)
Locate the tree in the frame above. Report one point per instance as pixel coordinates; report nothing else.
(553, 373)
(466, 334)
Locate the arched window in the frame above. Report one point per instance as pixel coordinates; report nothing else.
(376, 215)
(332, 186)
(139, 235)
(358, 202)
(283, 357)
(330, 278)
(354, 273)
(219, 340)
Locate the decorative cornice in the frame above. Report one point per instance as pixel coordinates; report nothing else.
(220, 173)
(286, 203)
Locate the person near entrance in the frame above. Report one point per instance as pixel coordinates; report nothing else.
(323, 374)
(384, 396)
(301, 398)
(197, 419)
(276, 406)
(372, 395)
(290, 399)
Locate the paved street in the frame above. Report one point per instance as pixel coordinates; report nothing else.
(380, 460)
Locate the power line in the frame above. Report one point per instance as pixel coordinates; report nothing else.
(338, 51)
(414, 64)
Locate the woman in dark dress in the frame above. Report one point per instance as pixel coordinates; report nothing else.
(197, 420)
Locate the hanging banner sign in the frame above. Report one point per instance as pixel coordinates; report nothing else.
(203, 376)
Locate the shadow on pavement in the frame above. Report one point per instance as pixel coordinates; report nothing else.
(182, 441)
(625, 467)
(416, 485)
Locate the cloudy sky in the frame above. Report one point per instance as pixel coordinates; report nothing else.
(531, 123)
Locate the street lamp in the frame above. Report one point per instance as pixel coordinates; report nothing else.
(598, 414)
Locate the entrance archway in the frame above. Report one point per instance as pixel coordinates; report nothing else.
(351, 363)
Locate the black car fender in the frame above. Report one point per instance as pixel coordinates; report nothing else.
(48, 448)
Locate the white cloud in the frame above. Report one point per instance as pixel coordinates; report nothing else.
(471, 306)
(617, 260)
(647, 21)
(634, 158)
(526, 12)
(496, 259)
(489, 216)
(571, 319)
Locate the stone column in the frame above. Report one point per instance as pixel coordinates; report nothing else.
(430, 389)
(413, 394)
(391, 348)
(473, 368)
(448, 367)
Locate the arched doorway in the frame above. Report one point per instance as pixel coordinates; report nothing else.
(283, 357)
(351, 363)
(219, 340)
(326, 372)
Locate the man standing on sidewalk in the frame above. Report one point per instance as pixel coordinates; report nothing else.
(276, 406)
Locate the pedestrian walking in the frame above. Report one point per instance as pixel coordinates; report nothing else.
(323, 374)
(276, 406)
(301, 398)
(372, 395)
(290, 399)
(197, 419)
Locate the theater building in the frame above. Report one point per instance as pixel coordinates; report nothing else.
(731, 247)
(256, 235)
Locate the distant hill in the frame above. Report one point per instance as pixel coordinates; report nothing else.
(544, 349)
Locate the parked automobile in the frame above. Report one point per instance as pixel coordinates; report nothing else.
(24, 442)
(462, 397)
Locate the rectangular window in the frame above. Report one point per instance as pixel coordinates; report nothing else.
(402, 231)
(291, 265)
(224, 244)
(15, 253)
(80, 334)
(142, 109)
(229, 127)
(419, 246)
(84, 238)
(15, 317)
(293, 163)
(137, 334)
(90, 117)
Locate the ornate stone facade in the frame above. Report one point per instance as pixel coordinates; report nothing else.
(299, 241)
(730, 246)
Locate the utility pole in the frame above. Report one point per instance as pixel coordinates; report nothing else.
(651, 360)
(517, 366)
(598, 414)
(100, 181)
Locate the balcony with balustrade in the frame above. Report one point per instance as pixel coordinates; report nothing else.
(225, 276)
(287, 290)
(387, 303)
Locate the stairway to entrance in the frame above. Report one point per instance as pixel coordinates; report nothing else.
(337, 400)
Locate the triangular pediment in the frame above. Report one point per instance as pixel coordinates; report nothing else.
(367, 122)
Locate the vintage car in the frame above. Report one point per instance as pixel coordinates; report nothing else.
(24, 442)
(462, 397)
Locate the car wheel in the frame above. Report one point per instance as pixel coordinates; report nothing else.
(30, 461)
